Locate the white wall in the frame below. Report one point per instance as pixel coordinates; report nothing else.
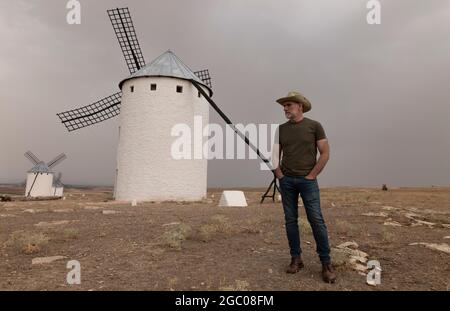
(42, 186)
(146, 169)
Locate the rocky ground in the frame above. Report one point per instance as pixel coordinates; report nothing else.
(200, 246)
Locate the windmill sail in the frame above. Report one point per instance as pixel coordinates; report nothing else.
(56, 160)
(100, 111)
(228, 121)
(30, 156)
(109, 107)
(205, 77)
(126, 34)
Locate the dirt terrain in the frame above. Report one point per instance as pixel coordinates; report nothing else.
(200, 246)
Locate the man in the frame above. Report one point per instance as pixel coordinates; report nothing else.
(299, 140)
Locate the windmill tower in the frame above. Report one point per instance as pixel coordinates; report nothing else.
(40, 177)
(154, 100)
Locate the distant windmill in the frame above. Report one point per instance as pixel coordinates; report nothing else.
(40, 177)
(58, 186)
(151, 101)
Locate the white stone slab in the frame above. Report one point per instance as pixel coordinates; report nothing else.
(106, 212)
(53, 223)
(46, 260)
(444, 247)
(233, 199)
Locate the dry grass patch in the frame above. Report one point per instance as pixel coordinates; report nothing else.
(27, 242)
(345, 227)
(174, 237)
(340, 259)
(252, 226)
(172, 282)
(387, 236)
(217, 224)
(237, 286)
(305, 227)
(70, 234)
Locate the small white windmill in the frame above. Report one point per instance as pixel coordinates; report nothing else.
(40, 177)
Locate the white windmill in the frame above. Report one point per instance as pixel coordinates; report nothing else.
(152, 100)
(40, 177)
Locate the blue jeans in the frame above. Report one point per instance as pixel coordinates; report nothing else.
(291, 188)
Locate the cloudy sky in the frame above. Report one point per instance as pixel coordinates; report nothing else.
(380, 91)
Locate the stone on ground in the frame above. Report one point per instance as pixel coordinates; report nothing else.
(233, 199)
(106, 212)
(52, 223)
(351, 244)
(46, 260)
(380, 214)
(444, 247)
(392, 223)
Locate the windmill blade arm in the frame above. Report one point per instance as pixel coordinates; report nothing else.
(97, 112)
(126, 35)
(204, 76)
(228, 121)
(30, 156)
(56, 160)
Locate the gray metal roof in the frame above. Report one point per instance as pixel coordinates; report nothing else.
(166, 65)
(41, 167)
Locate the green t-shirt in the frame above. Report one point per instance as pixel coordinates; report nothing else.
(299, 145)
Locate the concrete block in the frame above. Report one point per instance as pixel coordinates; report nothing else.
(233, 199)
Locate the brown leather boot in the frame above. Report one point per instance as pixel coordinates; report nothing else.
(296, 265)
(328, 273)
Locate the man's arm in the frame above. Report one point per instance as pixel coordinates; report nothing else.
(324, 149)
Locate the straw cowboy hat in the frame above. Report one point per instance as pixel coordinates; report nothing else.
(298, 98)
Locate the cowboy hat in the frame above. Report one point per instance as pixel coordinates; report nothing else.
(298, 98)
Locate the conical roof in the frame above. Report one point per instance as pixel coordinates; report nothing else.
(41, 167)
(166, 65)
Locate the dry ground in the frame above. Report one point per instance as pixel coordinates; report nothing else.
(200, 246)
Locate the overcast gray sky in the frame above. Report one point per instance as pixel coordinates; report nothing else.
(380, 91)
